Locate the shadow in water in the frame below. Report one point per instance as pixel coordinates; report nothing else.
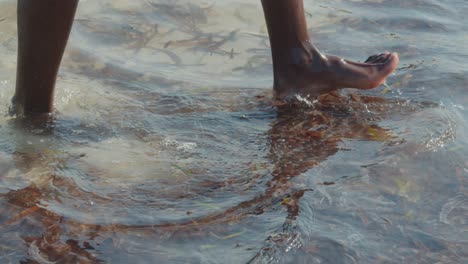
(301, 137)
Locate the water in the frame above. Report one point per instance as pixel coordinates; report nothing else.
(165, 146)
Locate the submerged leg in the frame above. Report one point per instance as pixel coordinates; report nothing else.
(43, 30)
(299, 68)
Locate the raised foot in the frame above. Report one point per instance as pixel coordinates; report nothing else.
(322, 74)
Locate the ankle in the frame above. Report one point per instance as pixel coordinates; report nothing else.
(21, 107)
(302, 53)
(292, 69)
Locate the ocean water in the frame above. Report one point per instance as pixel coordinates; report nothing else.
(165, 146)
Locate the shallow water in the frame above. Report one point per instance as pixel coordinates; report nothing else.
(165, 146)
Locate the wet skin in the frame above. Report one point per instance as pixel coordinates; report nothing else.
(320, 74)
(43, 30)
(298, 67)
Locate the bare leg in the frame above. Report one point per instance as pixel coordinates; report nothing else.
(43, 30)
(299, 68)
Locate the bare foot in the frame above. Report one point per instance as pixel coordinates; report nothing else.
(312, 73)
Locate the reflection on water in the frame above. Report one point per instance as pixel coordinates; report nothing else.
(165, 146)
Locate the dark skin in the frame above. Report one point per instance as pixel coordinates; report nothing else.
(43, 30)
(298, 67)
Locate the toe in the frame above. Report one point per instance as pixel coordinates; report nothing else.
(383, 59)
(378, 58)
(371, 58)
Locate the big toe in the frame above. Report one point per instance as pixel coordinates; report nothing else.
(391, 62)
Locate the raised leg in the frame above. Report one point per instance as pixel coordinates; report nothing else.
(43, 30)
(299, 68)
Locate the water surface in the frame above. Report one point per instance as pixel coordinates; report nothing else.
(165, 147)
